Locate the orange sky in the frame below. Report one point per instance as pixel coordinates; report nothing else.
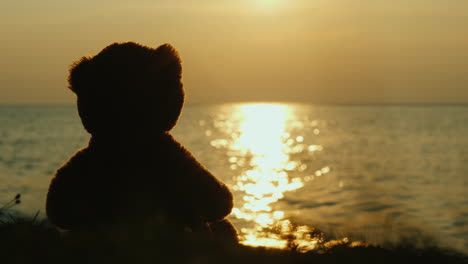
(319, 51)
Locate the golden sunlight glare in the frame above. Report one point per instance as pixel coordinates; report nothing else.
(260, 146)
(262, 137)
(268, 5)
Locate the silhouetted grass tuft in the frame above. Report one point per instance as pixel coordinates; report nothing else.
(6, 207)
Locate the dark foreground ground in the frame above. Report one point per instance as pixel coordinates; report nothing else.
(24, 240)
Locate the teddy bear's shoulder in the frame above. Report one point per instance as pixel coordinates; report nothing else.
(77, 162)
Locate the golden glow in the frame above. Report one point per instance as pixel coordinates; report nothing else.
(264, 140)
(268, 5)
(290, 50)
(261, 141)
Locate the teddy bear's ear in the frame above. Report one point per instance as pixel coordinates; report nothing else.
(78, 76)
(166, 59)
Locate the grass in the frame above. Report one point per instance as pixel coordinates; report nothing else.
(29, 240)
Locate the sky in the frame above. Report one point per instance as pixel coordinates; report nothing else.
(312, 51)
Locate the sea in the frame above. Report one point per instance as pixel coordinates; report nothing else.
(383, 174)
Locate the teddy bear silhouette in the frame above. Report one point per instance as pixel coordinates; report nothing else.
(129, 97)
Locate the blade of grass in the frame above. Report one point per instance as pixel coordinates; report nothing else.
(35, 216)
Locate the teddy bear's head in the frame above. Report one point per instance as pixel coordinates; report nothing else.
(128, 87)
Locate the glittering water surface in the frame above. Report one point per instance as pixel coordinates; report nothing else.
(378, 173)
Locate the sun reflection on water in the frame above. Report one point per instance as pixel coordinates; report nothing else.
(264, 141)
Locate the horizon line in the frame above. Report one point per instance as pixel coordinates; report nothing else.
(274, 102)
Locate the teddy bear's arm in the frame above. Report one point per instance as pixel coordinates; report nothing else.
(66, 201)
(213, 199)
(57, 204)
(208, 196)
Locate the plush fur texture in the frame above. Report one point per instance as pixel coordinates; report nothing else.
(129, 96)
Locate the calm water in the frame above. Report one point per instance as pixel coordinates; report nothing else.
(379, 173)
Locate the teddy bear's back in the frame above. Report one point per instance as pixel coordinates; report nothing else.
(108, 182)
